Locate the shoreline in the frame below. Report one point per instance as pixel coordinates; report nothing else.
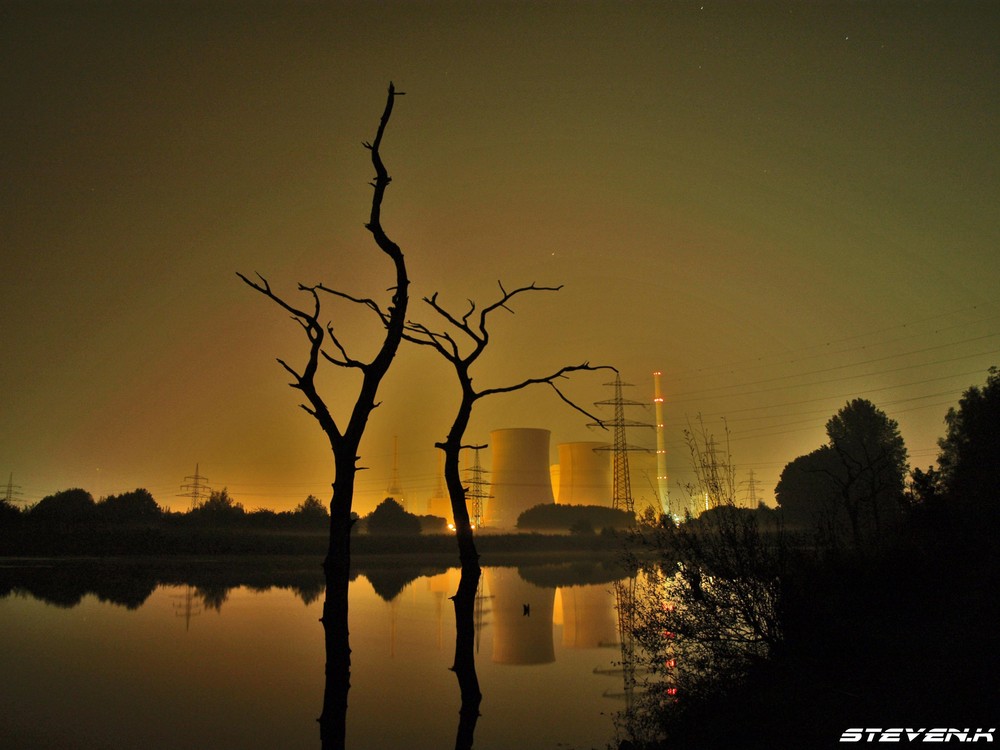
(81, 543)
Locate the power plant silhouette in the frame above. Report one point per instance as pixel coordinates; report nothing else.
(587, 473)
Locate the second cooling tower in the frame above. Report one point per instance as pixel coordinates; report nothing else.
(520, 470)
(585, 476)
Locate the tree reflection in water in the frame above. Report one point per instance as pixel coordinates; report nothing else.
(333, 720)
(235, 647)
(465, 656)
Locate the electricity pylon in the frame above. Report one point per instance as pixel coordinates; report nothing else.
(196, 488)
(477, 489)
(622, 488)
(13, 491)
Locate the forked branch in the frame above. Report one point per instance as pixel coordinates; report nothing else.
(478, 333)
(324, 344)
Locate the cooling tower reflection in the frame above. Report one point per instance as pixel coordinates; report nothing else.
(522, 618)
(264, 634)
(589, 616)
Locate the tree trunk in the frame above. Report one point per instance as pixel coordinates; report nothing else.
(337, 568)
(465, 656)
(333, 720)
(467, 553)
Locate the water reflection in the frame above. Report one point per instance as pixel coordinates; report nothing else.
(522, 626)
(464, 666)
(129, 583)
(589, 616)
(188, 607)
(165, 654)
(337, 646)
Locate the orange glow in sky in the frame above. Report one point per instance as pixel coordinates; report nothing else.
(781, 206)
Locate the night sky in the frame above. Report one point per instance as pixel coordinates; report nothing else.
(782, 206)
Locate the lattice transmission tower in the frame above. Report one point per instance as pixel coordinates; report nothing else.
(196, 488)
(620, 447)
(477, 493)
(753, 500)
(12, 492)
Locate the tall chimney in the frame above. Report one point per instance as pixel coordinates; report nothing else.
(661, 447)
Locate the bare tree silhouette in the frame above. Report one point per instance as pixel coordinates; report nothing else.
(475, 335)
(345, 439)
(473, 331)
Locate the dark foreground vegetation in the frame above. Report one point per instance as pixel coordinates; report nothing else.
(825, 640)
(863, 601)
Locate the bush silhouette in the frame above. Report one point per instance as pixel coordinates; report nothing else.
(391, 518)
(73, 506)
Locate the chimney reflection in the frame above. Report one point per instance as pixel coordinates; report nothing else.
(442, 586)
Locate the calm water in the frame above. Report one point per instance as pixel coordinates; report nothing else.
(208, 666)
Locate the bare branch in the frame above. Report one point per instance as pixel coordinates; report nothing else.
(296, 375)
(444, 446)
(597, 421)
(462, 324)
(265, 288)
(380, 184)
(472, 309)
(507, 296)
(479, 334)
(560, 373)
(418, 333)
(448, 347)
(347, 361)
(369, 303)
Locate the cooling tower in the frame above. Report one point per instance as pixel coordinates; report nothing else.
(520, 474)
(585, 474)
(522, 618)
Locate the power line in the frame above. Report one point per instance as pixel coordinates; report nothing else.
(857, 364)
(701, 371)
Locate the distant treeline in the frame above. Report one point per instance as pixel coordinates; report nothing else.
(72, 523)
(577, 519)
(77, 508)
